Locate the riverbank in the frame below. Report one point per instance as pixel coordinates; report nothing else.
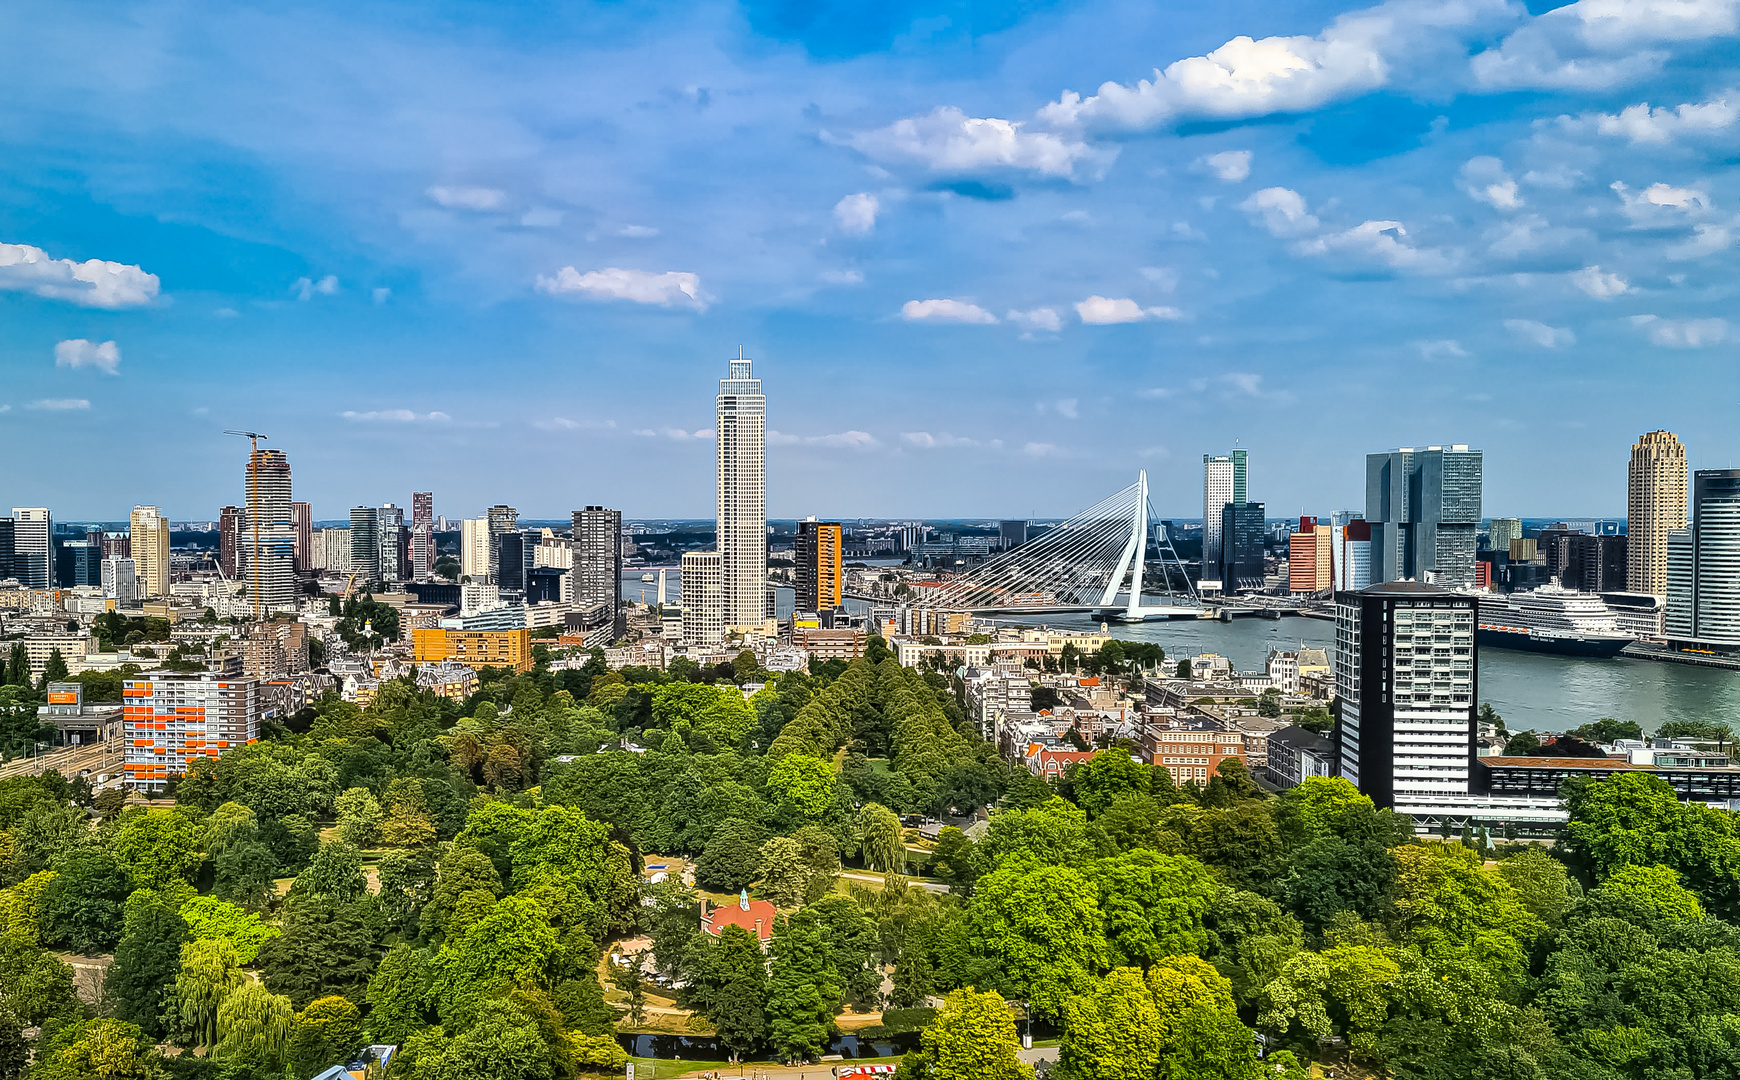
(1662, 655)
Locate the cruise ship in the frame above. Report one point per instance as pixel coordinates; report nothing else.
(1550, 620)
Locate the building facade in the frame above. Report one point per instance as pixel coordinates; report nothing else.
(597, 557)
(1501, 531)
(703, 598)
(33, 546)
(474, 561)
(172, 718)
(1655, 508)
(392, 526)
(1310, 557)
(229, 535)
(1241, 546)
(149, 532)
(302, 528)
(1703, 573)
(121, 582)
(1406, 677)
(78, 562)
(365, 544)
(422, 535)
(1423, 506)
(741, 427)
(820, 569)
(266, 552)
(1224, 480)
(473, 648)
(1352, 556)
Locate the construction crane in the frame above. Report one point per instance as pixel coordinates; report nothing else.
(254, 438)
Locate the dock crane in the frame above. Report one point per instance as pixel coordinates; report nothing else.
(254, 438)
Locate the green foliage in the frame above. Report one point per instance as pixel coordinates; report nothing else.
(254, 1028)
(1042, 932)
(147, 959)
(1542, 883)
(972, 1038)
(210, 971)
(208, 918)
(326, 947)
(1154, 905)
(883, 843)
(1657, 888)
(396, 993)
(106, 1049)
(512, 945)
(329, 1030)
(81, 908)
(803, 988)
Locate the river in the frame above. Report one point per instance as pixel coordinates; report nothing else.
(1530, 690)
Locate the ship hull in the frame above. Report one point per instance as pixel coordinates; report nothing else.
(1589, 647)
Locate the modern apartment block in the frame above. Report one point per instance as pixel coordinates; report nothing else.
(1703, 567)
(1405, 674)
(229, 535)
(1225, 480)
(1424, 508)
(703, 598)
(473, 648)
(266, 550)
(121, 582)
(149, 530)
(1501, 531)
(172, 718)
(597, 557)
(392, 526)
(741, 438)
(302, 529)
(820, 569)
(33, 546)
(474, 549)
(1352, 554)
(1241, 546)
(1310, 557)
(1655, 508)
(365, 544)
(422, 535)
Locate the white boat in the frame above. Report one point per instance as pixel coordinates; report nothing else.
(1551, 619)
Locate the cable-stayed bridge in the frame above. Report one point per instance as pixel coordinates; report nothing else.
(1096, 561)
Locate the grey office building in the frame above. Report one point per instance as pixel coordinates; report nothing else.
(1703, 567)
(1241, 546)
(1424, 508)
(597, 534)
(365, 543)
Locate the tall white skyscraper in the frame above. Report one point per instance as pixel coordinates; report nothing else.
(474, 549)
(149, 531)
(422, 535)
(741, 426)
(33, 546)
(1224, 481)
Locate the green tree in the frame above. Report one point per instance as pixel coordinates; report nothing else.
(245, 873)
(207, 918)
(803, 989)
(732, 857)
(972, 1038)
(325, 948)
(803, 783)
(82, 907)
(1112, 1033)
(55, 670)
(956, 859)
(1269, 703)
(729, 989)
(329, 1030)
(504, 1044)
(396, 993)
(1154, 905)
(1637, 819)
(359, 817)
(1105, 779)
(630, 977)
(35, 987)
(147, 959)
(783, 871)
(882, 841)
(1041, 929)
(254, 1027)
(336, 874)
(1541, 883)
(157, 847)
(1658, 889)
(210, 971)
(513, 944)
(98, 1050)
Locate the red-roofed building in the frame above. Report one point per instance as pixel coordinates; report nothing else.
(755, 916)
(1048, 764)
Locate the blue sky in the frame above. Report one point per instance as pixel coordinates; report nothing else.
(989, 258)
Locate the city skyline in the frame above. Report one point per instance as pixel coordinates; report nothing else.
(954, 255)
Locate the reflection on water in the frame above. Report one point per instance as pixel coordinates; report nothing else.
(1530, 690)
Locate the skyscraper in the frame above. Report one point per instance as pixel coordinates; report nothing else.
(121, 582)
(365, 544)
(703, 598)
(150, 539)
(391, 521)
(1501, 531)
(1224, 482)
(422, 535)
(820, 581)
(1405, 675)
(1424, 510)
(302, 528)
(1309, 557)
(741, 427)
(78, 562)
(6, 549)
(1703, 569)
(1655, 506)
(267, 549)
(1352, 542)
(502, 519)
(229, 535)
(474, 549)
(33, 546)
(597, 553)
(1241, 546)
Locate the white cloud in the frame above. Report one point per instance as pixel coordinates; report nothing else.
(1249, 78)
(850, 440)
(856, 214)
(1163, 276)
(675, 433)
(382, 295)
(1485, 180)
(92, 283)
(1232, 166)
(948, 141)
(1683, 333)
(1599, 285)
(79, 353)
(60, 404)
(1641, 124)
(1156, 393)
(1245, 383)
(1446, 349)
(1282, 211)
(638, 232)
(394, 416)
(945, 311)
(1660, 196)
(1068, 408)
(308, 288)
(924, 440)
(1385, 241)
(556, 423)
(540, 218)
(1707, 238)
(1539, 333)
(1594, 44)
(1043, 450)
(843, 277)
(1040, 318)
(6, 408)
(1103, 310)
(669, 289)
(467, 198)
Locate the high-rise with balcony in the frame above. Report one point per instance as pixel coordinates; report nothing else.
(1703, 568)
(422, 535)
(820, 580)
(391, 520)
(150, 539)
(229, 538)
(33, 546)
(1225, 482)
(1655, 506)
(266, 551)
(302, 528)
(365, 544)
(474, 549)
(1501, 531)
(1424, 508)
(741, 436)
(597, 557)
